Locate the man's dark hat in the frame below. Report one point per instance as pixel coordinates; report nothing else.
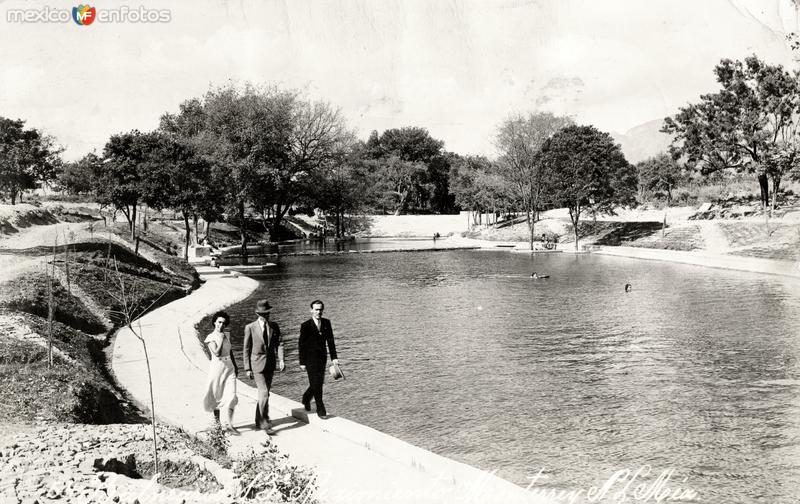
(263, 306)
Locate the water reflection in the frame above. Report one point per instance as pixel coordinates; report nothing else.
(462, 353)
(320, 247)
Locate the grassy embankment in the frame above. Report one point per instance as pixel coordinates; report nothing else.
(77, 388)
(734, 225)
(87, 304)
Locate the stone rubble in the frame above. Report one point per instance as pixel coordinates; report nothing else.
(70, 463)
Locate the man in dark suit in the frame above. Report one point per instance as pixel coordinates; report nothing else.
(263, 352)
(315, 334)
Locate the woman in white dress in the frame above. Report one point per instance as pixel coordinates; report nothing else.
(222, 371)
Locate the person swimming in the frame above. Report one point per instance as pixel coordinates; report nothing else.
(628, 287)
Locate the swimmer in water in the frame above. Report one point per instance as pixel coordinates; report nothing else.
(628, 287)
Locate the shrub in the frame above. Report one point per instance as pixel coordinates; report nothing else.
(270, 477)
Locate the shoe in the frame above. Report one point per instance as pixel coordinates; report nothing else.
(307, 404)
(270, 431)
(322, 414)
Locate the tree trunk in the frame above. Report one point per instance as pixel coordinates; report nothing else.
(133, 222)
(194, 222)
(776, 185)
(531, 225)
(243, 232)
(13, 197)
(763, 182)
(188, 236)
(575, 218)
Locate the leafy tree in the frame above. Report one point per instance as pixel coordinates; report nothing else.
(316, 139)
(343, 187)
(174, 176)
(411, 168)
(76, 177)
(660, 173)
(118, 179)
(188, 128)
(27, 158)
(264, 145)
(243, 133)
(477, 186)
(585, 169)
(518, 141)
(400, 181)
(750, 125)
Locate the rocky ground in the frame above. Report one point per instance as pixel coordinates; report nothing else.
(82, 463)
(43, 459)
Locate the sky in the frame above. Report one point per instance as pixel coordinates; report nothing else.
(457, 68)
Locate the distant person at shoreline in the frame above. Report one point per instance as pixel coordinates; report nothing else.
(262, 354)
(315, 334)
(628, 287)
(222, 371)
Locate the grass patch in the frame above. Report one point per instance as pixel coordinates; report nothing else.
(67, 392)
(29, 294)
(177, 265)
(685, 238)
(141, 293)
(180, 475)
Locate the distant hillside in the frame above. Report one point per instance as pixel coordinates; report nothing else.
(643, 141)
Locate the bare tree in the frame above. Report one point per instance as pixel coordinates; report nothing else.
(129, 315)
(518, 141)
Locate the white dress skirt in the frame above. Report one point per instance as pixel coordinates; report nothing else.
(221, 385)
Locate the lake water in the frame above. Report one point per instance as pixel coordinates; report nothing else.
(460, 352)
(311, 247)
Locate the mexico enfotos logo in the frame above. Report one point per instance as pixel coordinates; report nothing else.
(85, 15)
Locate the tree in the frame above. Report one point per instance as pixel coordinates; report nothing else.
(316, 137)
(244, 133)
(660, 173)
(263, 143)
(174, 176)
(27, 158)
(118, 179)
(343, 186)
(477, 185)
(188, 127)
(518, 141)
(76, 177)
(399, 181)
(585, 169)
(411, 168)
(750, 125)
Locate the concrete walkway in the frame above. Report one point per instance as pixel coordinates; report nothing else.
(354, 463)
(709, 259)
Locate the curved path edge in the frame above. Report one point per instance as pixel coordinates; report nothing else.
(354, 463)
(708, 259)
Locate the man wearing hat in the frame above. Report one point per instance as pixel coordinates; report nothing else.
(315, 334)
(263, 352)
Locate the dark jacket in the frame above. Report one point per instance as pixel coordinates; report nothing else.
(258, 354)
(312, 343)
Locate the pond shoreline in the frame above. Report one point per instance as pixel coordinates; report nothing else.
(368, 465)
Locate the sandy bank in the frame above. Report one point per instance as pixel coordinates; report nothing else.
(355, 463)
